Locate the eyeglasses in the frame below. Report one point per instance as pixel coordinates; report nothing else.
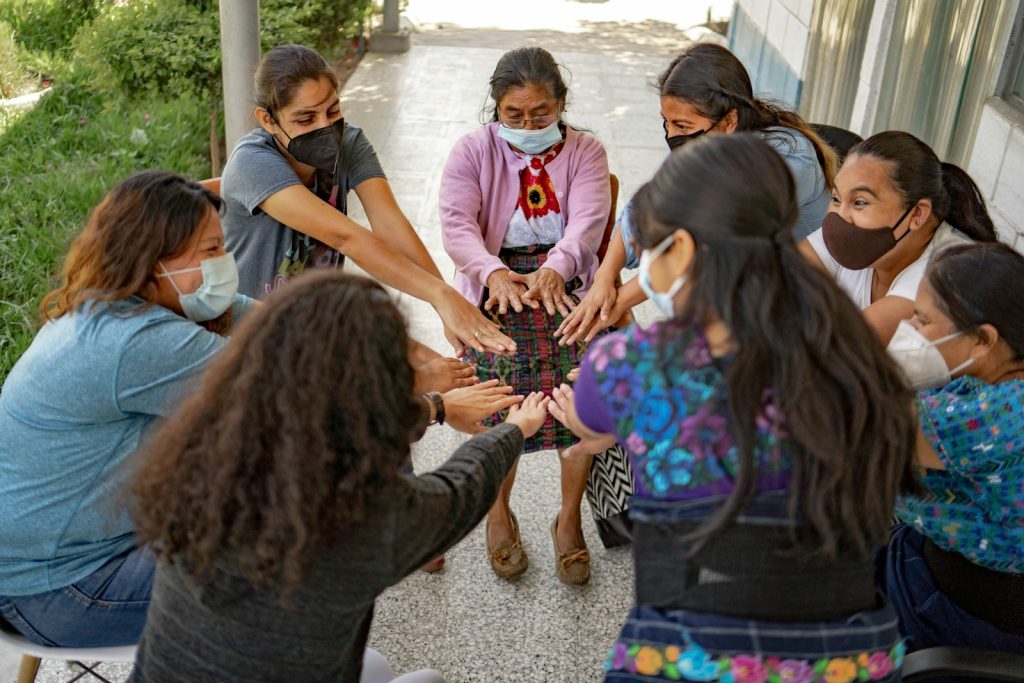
(519, 122)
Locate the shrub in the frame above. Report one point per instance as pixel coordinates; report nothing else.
(47, 25)
(152, 48)
(326, 25)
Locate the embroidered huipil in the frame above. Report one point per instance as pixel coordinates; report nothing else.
(670, 409)
(665, 397)
(538, 216)
(974, 507)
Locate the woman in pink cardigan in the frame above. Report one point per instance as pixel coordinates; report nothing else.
(524, 203)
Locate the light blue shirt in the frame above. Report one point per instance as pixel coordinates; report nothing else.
(811, 189)
(72, 411)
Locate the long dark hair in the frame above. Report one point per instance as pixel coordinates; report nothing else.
(917, 173)
(523, 67)
(147, 217)
(800, 341)
(711, 79)
(975, 284)
(283, 70)
(299, 426)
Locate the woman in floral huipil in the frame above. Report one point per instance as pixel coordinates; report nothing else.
(768, 432)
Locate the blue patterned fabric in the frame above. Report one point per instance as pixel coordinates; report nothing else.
(668, 402)
(976, 506)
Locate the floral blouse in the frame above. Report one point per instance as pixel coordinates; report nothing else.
(667, 401)
(975, 506)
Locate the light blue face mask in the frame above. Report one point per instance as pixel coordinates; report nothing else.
(664, 301)
(215, 294)
(531, 141)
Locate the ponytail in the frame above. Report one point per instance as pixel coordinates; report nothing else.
(966, 209)
(917, 173)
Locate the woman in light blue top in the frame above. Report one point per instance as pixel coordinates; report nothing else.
(706, 89)
(147, 294)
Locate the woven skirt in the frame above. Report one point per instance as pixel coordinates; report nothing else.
(539, 363)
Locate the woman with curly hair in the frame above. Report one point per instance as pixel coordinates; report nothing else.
(277, 527)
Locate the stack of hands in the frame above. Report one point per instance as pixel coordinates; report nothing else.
(467, 402)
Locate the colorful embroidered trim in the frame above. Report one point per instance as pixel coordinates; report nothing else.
(695, 664)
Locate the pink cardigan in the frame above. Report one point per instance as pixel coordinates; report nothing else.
(479, 192)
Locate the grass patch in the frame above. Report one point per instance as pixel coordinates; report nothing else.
(56, 162)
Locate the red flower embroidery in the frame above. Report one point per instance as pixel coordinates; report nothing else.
(536, 194)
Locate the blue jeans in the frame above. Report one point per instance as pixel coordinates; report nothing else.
(106, 608)
(927, 617)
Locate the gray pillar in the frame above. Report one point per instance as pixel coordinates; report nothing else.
(240, 55)
(390, 37)
(390, 16)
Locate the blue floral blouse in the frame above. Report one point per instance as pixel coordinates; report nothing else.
(976, 505)
(667, 403)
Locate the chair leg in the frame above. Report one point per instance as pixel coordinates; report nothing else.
(28, 670)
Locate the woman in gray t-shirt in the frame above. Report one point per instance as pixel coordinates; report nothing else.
(285, 187)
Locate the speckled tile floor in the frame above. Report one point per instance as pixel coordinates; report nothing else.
(465, 621)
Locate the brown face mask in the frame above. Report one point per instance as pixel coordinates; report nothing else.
(857, 248)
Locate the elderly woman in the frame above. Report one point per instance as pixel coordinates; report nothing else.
(954, 570)
(524, 202)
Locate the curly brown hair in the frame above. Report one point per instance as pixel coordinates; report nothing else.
(300, 424)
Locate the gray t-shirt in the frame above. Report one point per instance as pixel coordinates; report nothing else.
(268, 253)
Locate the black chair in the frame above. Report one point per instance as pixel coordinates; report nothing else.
(968, 662)
(839, 139)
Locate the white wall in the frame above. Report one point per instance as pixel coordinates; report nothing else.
(997, 165)
(786, 24)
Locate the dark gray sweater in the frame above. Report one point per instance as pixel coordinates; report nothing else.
(227, 631)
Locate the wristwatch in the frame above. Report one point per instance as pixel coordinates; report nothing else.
(438, 402)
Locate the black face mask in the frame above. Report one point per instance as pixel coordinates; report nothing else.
(677, 141)
(318, 148)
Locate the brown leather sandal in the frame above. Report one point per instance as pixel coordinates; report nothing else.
(573, 567)
(508, 559)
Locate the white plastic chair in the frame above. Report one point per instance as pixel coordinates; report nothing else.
(31, 654)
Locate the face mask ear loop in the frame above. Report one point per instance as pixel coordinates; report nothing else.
(905, 214)
(170, 276)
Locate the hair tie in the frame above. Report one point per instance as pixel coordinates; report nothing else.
(783, 238)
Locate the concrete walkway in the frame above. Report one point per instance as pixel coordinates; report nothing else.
(464, 621)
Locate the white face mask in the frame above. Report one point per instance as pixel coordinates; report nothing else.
(215, 294)
(531, 141)
(920, 359)
(664, 301)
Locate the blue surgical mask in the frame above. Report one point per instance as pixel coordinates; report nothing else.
(215, 294)
(664, 301)
(531, 141)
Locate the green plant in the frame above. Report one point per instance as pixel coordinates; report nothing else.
(47, 25)
(326, 25)
(13, 76)
(154, 47)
